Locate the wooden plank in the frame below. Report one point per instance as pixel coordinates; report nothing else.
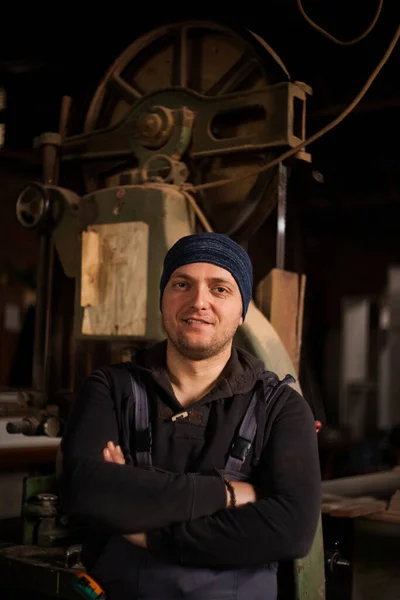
(121, 281)
(395, 502)
(392, 514)
(300, 314)
(340, 506)
(90, 268)
(280, 297)
(386, 515)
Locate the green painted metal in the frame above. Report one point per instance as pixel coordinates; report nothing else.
(32, 486)
(258, 336)
(121, 139)
(166, 212)
(309, 572)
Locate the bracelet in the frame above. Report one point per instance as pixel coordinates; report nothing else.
(231, 491)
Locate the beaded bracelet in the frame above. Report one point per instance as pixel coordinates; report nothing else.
(231, 491)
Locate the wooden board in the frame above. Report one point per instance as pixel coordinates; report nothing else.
(280, 296)
(392, 514)
(114, 271)
(338, 506)
(90, 271)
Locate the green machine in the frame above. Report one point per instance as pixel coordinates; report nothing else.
(174, 141)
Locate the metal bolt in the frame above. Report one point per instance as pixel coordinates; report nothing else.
(150, 124)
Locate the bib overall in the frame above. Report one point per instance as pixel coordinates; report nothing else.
(128, 572)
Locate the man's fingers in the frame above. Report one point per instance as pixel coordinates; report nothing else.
(113, 454)
(120, 459)
(107, 455)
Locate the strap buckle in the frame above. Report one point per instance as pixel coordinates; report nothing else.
(240, 448)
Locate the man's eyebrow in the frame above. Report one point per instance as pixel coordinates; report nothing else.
(209, 279)
(220, 280)
(182, 275)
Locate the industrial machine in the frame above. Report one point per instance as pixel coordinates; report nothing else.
(177, 139)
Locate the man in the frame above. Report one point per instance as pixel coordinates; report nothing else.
(194, 469)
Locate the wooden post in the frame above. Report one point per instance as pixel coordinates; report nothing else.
(280, 297)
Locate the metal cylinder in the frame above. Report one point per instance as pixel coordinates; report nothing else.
(380, 485)
(27, 426)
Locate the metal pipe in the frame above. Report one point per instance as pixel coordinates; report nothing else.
(50, 143)
(281, 222)
(40, 344)
(380, 485)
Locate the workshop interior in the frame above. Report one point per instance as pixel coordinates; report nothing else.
(123, 133)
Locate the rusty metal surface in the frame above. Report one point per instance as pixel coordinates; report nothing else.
(245, 121)
(211, 61)
(196, 55)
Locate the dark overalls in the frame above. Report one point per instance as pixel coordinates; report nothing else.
(128, 572)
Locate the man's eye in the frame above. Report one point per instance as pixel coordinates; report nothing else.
(180, 284)
(221, 290)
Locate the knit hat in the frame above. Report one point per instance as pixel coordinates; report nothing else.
(217, 249)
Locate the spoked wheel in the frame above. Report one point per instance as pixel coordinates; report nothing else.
(213, 61)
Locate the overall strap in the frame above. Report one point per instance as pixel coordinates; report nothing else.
(242, 445)
(142, 438)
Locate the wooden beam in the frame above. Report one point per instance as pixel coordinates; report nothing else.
(280, 296)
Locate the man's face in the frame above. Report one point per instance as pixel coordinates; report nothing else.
(201, 310)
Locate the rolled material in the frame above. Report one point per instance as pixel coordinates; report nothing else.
(380, 485)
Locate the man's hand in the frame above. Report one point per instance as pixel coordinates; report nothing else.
(113, 454)
(245, 493)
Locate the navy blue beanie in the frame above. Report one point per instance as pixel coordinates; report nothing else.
(217, 249)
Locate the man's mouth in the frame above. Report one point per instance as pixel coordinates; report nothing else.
(197, 321)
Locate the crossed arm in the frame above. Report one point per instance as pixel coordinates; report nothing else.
(244, 492)
(118, 498)
(187, 517)
(113, 454)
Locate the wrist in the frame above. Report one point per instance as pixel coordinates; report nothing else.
(228, 496)
(230, 493)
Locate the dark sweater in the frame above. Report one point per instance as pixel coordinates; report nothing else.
(181, 502)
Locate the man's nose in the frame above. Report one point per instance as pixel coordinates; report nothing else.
(201, 297)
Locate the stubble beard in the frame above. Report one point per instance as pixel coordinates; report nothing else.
(198, 352)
